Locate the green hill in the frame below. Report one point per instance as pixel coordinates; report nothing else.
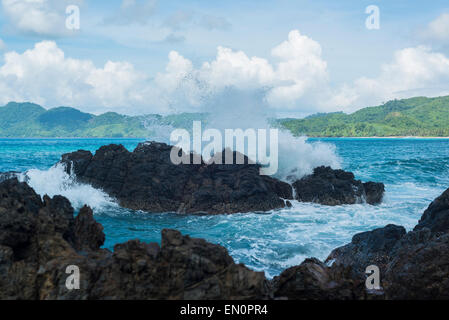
(407, 117)
(25, 120)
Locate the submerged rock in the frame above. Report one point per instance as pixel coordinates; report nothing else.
(336, 187)
(146, 179)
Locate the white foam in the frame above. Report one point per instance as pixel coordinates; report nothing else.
(298, 157)
(56, 181)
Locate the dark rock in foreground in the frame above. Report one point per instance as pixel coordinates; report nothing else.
(336, 187)
(313, 280)
(39, 239)
(146, 179)
(436, 216)
(368, 248)
(414, 265)
(8, 175)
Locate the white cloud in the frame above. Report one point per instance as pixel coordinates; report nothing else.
(294, 79)
(438, 29)
(44, 75)
(413, 72)
(298, 70)
(38, 17)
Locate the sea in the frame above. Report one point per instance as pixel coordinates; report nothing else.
(414, 171)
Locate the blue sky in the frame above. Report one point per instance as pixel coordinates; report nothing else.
(346, 65)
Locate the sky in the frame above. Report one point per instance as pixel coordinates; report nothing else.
(293, 58)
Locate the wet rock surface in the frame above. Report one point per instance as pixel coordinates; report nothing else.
(368, 248)
(8, 175)
(336, 187)
(40, 238)
(436, 216)
(413, 265)
(146, 179)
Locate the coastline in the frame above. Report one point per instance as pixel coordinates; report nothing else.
(133, 138)
(389, 137)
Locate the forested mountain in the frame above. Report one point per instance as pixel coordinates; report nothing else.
(407, 117)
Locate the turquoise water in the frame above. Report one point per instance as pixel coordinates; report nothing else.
(415, 171)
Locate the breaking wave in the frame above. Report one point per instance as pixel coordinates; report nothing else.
(56, 181)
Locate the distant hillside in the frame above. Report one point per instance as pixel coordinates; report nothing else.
(408, 117)
(24, 120)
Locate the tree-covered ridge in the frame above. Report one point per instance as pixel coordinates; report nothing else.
(407, 117)
(25, 120)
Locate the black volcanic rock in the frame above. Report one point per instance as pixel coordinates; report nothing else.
(336, 187)
(368, 248)
(436, 216)
(374, 192)
(419, 267)
(413, 265)
(8, 175)
(146, 179)
(313, 280)
(40, 239)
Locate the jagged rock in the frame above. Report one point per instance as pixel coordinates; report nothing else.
(413, 265)
(374, 192)
(368, 248)
(39, 239)
(436, 216)
(8, 175)
(336, 187)
(88, 232)
(146, 179)
(312, 279)
(419, 268)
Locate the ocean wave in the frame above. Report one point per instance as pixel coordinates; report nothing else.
(56, 181)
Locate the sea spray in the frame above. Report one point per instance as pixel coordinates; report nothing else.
(232, 109)
(298, 156)
(56, 181)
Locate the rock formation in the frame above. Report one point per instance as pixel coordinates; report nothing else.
(336, 187)
(146, 179)
(40, 238)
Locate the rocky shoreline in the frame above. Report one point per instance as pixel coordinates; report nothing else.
(147, 180)
(40, 238)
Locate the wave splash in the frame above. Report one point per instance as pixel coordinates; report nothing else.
(56, 181)
(247, 109)
(298, 157)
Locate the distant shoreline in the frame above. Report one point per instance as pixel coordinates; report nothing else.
(390, 137)
(134, 138)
